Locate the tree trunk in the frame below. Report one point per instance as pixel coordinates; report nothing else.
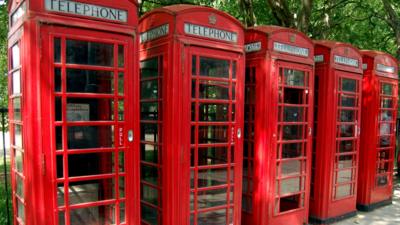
(393, 19)
(247, 9)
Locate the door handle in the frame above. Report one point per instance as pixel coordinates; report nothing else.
(130, 135)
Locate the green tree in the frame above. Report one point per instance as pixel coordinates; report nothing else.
(3, 56)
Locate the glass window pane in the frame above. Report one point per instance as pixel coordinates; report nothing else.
(290, 185)
(149, 194)
(347, 116)
(382, 180)
(99, 215)
(90, 164)
(121, 56)
(213, 112)
(85, 109)
(385, 129)
(387, 89)
(344, 176)
(212, 177)
(121, 110)
(17, 108)
(294, 77)
(343, 191)
(81, 137)
(386, 116)
(346, 130)
(91, 191)
(212, 156)
(346, 146)
(16, 56)
(57, 50)
(194, 65)
(90, 53)
(387, 103)
(149, 153)
(345, 161)
(213, 134)
(20, 186)
(291, 167)
(122, 212)
(347, 101)
(20, 210)
(292, 150)
(290, 202)
(293, 132)
(385, 141)
(60, 166)
(59, 144)
(57, 79)
(149, 132)
(216, 217)
(349, 85)
(149, 174)
(149, 89)
(293, 114)
(149, 214)
(213, 90)
(121, 83)
(16, 82)
(294, 96)
(18, 136)
(90, 81)
(214, 67)
(19, 161)
(149, 68)
(149, 111)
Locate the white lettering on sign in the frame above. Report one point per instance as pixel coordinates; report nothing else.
(385, 69)
(319, 58)
(346, 61)
(209, 32)
(291, 49)
(84, 9)
(253, 47)
(154, 33)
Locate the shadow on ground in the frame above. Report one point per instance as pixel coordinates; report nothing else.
(388, 215)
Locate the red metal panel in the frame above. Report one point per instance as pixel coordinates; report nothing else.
(337, 119)
(36, 31)
(377, 130)
(269, 163)
(186, 197)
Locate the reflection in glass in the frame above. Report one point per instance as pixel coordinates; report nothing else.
(293, 114)
(387, 89)
(212, 198)
(385, 129)
(294, 77)
(99, 215)
(346, 130)
(213, 90)
(18, 135)
(347, 116)
(149, 214)
(16, 56)
(149, 132)
(213, 112)
(149, 194)
(343, 191)
(90, 81)
(349, 85)
(291, 168)
(90, 191)
(149, 174)
(213, 134)
(292, 150)
(90, 53)
(345, 161)
(149, 68)
(20, 210)
(385, 141)
(386, 116)
(212, 156)
(121, 56)
(344, 176)
(387, 103)
(149, 111)
(347, 101)
(81, 137)
(216, 217)
(149, 89)
(346, 146)
(382, 180)
(19, 161)
(149, 153)
(212, 177)
(214, 67)
(20, 186)
(16, 82)
(121, 83)
(89, 109)
(293, 132)
(57, 50)
(17, 108)
(290, 185)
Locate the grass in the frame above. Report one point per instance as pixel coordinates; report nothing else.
(3, 209)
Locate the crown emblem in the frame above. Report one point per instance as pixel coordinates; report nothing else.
(292, 38)
(212, 19)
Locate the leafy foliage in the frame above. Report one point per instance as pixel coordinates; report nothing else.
(3, 56)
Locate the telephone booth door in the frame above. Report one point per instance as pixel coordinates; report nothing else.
(293, 141)
(215, 133)
(378, 133)
(91, 114)
(348, 91)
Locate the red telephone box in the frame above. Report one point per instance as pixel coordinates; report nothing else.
(338, 81)
(278, 123)
(378, 130)
(72, 89)
(192, 83)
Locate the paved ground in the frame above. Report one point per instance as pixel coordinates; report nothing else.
(389, 215)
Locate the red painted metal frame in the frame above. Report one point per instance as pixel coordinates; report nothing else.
(34, 32)
(325, 205)
(262, 151)
(177, 50)
(370, 194)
